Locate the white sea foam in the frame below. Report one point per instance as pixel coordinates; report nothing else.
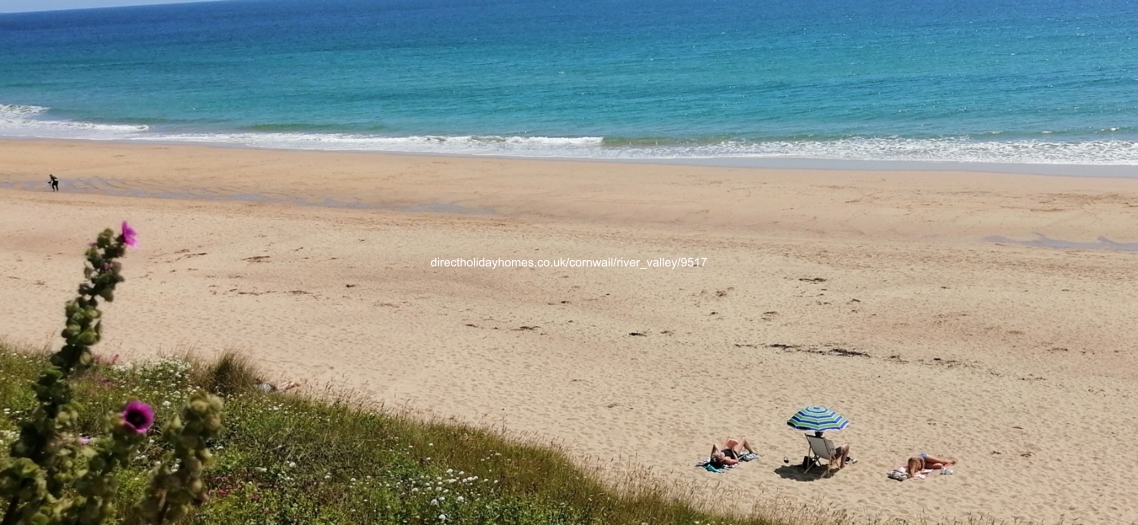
(20, 121)
(1110, 152)
(469, 145)
(1099, 152)
(31, 122)
(19, 111)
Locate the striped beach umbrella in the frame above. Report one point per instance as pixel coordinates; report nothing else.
(817, 419)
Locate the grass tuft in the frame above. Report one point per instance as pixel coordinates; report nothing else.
(228, 375)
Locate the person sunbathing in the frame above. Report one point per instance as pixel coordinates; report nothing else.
(730, 454)
(924, 461)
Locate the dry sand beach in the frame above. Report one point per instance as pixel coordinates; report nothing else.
(880, 294)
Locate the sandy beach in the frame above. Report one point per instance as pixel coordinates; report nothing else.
(930, 308)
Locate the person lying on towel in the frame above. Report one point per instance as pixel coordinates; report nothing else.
(731, 453)
(924, 461)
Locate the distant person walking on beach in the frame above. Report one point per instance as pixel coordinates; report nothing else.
(53, 182)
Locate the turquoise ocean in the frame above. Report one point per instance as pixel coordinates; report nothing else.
(975, 81)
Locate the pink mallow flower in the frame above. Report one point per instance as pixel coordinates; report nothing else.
(138, 416)
(129, 236)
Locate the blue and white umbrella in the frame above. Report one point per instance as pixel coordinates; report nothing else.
(817, 419)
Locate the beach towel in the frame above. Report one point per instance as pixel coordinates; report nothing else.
(902, 473)
(706, 465)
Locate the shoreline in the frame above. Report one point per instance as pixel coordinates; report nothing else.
(871, 292)
(793, 163)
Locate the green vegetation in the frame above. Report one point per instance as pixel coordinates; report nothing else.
(53, 474)
(288, 459)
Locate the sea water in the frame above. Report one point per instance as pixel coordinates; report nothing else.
(986, 81)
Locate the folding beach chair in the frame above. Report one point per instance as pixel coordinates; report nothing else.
(821, 449)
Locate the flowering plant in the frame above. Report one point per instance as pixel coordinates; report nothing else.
(54, 476)
(176, 482)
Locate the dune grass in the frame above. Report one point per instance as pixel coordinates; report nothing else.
(286, 459)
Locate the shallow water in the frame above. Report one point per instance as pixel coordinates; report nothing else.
(101, 186)
(1043, 241)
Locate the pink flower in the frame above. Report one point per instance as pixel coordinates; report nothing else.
(129, 236)
(138, 416)
(84, 440)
